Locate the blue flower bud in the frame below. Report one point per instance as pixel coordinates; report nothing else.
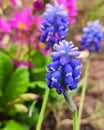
(56, 75)
(73, 86)
(76, 72)
(53, 66)
(60, 89)
(55, 56)
(75, 63)
(48, 77)
(68, 70)
(68, 80)
(92, 37)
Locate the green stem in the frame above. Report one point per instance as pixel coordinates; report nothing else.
(75, 120)
(32, 108)
(41, 116)
(72, 108)
(83, 92)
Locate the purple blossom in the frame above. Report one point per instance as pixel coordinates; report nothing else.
(92, 37)
(55, 24)
(64, 71)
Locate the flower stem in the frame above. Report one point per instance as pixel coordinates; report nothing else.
(41, 116)
(72, 108)
(83, 92)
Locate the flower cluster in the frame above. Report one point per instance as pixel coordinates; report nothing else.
(64, 71)
(92, 37)
(55, 24)
(70, 5)
(22, 20)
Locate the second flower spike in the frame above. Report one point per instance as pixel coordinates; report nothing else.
(55, 24)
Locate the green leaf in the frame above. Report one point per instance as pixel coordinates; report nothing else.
(38, 59)
(18, 83)
(13, 125)
(25, 119)
(12, 51)
(6, 68)
(41, 84)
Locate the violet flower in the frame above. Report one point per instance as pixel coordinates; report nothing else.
(64, 71)
(92, 37)
(55, 24)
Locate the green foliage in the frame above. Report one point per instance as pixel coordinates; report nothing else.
(6, 68)
(24, 118)
(18, 84)
(13, 125)
(40, 84)
(39, 72)
(39, 60)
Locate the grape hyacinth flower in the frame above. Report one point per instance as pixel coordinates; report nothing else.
(55, 24)
(92, 37)
(64, 71)
(70, 6)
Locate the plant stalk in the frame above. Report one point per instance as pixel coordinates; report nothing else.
(72, 108)
(41, 116)
(83, 93)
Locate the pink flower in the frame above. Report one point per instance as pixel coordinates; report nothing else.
(70, 5)
(25, 23)
(22, 64)
(22, 19)
(27, 29)
(4, 26)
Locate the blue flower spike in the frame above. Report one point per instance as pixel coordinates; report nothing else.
(55, 24)
(64, 71)
(92, 37)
